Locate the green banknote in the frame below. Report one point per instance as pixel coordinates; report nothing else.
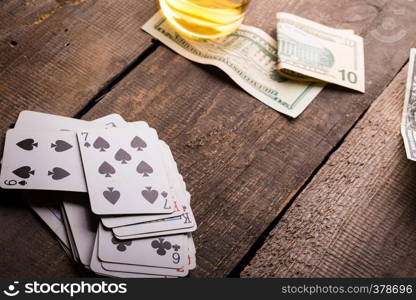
(311, 51)
(409, 110)
(249, 57)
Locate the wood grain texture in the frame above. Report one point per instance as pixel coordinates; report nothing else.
(357, 217)
(241, 160)
(56, 55)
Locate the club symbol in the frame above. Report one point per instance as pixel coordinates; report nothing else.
(144, 168)
(138, 143)
(111, 195)
(61, 146)
(101, 144)
(176, 247)
(122, 156)
(58, 173)
(121, 245)
(161, 245)
(24, 172)
(106, 169)
(150, 195)
(27, 144)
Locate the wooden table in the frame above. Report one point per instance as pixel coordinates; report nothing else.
(328, 194)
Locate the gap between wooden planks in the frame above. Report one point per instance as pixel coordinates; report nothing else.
(357, 216)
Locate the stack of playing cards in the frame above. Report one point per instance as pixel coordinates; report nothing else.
(135, 221)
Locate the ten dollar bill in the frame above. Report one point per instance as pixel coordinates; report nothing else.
(249, 57)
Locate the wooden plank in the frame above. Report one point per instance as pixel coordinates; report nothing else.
(241, 160)
(56, 55)
(357, 217)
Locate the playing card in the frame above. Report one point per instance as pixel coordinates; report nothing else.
(184, 221)
(163, 251)
(73, 247)
(37, 121)
(124, 172)
(182, 272)
(47, 160)
(191, 244)
(65, 248)
(177, 189)
(192, 252)
(83, 226)
(150, 234)
(95, 265)
(154, 270)
(50, 213)
(128, 268)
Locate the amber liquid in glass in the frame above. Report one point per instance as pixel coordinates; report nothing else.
(204, 19)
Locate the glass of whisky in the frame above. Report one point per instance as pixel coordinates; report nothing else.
(204, 19)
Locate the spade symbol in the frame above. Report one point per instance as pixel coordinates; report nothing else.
(61, 146)
(87, 145)
(138, 143)
(101, 144)
(24, 172)
(27, 144)
(144, 168)
(111, 195)
(23, 182)
(150, 195)
(164, 194)
(58, 173)
(122, 156)
(106, 169)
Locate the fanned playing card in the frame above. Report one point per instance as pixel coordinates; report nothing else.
(177, 189)
(83, 226)
(124, 172)
(46, 160)
(131, 268)
(163, 251)
(72, 246)
(50, 213)
(185, 222)
(96, 266)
